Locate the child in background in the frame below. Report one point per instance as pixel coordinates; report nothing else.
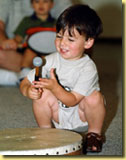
(40, 18)
(69, 95)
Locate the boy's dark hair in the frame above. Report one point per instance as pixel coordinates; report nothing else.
(83, 18)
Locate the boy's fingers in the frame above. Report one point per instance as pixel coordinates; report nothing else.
(33, 88)
(52, 73)
(40, 90)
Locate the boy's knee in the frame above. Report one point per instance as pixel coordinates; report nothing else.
(37, 101)
(94, 99)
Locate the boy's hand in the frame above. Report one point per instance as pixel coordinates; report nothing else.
(50, 84)
(34, 93)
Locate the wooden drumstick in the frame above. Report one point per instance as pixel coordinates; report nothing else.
(37, 62)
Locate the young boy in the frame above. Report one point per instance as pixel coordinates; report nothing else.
(69, 94)
(40, 18)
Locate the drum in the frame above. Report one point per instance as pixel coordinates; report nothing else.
(41, 40)
(37, 141)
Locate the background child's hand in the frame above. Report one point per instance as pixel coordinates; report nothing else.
(9, 44)
(50, 84)
(34, 93)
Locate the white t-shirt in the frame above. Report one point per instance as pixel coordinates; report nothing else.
(80, 75)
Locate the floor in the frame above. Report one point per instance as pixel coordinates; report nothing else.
(16, 110)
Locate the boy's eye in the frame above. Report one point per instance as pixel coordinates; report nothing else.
(58, 36)
(71, 39)
(46, 1)
(36, 1)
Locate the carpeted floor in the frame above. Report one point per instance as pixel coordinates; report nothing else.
(16, 110)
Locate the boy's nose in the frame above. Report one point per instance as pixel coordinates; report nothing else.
(63, 42)
(41, 2)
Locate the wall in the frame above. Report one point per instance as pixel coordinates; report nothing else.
(110, 11)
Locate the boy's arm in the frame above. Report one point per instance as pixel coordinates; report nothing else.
(66, 97)
(24, 85)
(30, 91)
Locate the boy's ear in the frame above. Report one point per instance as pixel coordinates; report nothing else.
(89, 43)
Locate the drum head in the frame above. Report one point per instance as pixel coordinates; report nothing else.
(36, 141)
(42, 42)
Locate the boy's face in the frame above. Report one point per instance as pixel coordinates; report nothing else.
(42, 7)
(70, 47)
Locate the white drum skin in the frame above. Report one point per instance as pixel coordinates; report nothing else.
(37, 141)
(42, 42)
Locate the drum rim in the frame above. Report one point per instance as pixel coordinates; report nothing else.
(34, 30)
(50, 151)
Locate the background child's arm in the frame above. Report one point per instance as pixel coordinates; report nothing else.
(12, 43)
(18, 39)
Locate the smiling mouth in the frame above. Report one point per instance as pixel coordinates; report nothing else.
(63, 51)
(41, 9)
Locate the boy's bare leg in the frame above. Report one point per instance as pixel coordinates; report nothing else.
(10, 60)
(46, 109)
(92, 110)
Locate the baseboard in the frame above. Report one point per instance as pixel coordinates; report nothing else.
(109, 40)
